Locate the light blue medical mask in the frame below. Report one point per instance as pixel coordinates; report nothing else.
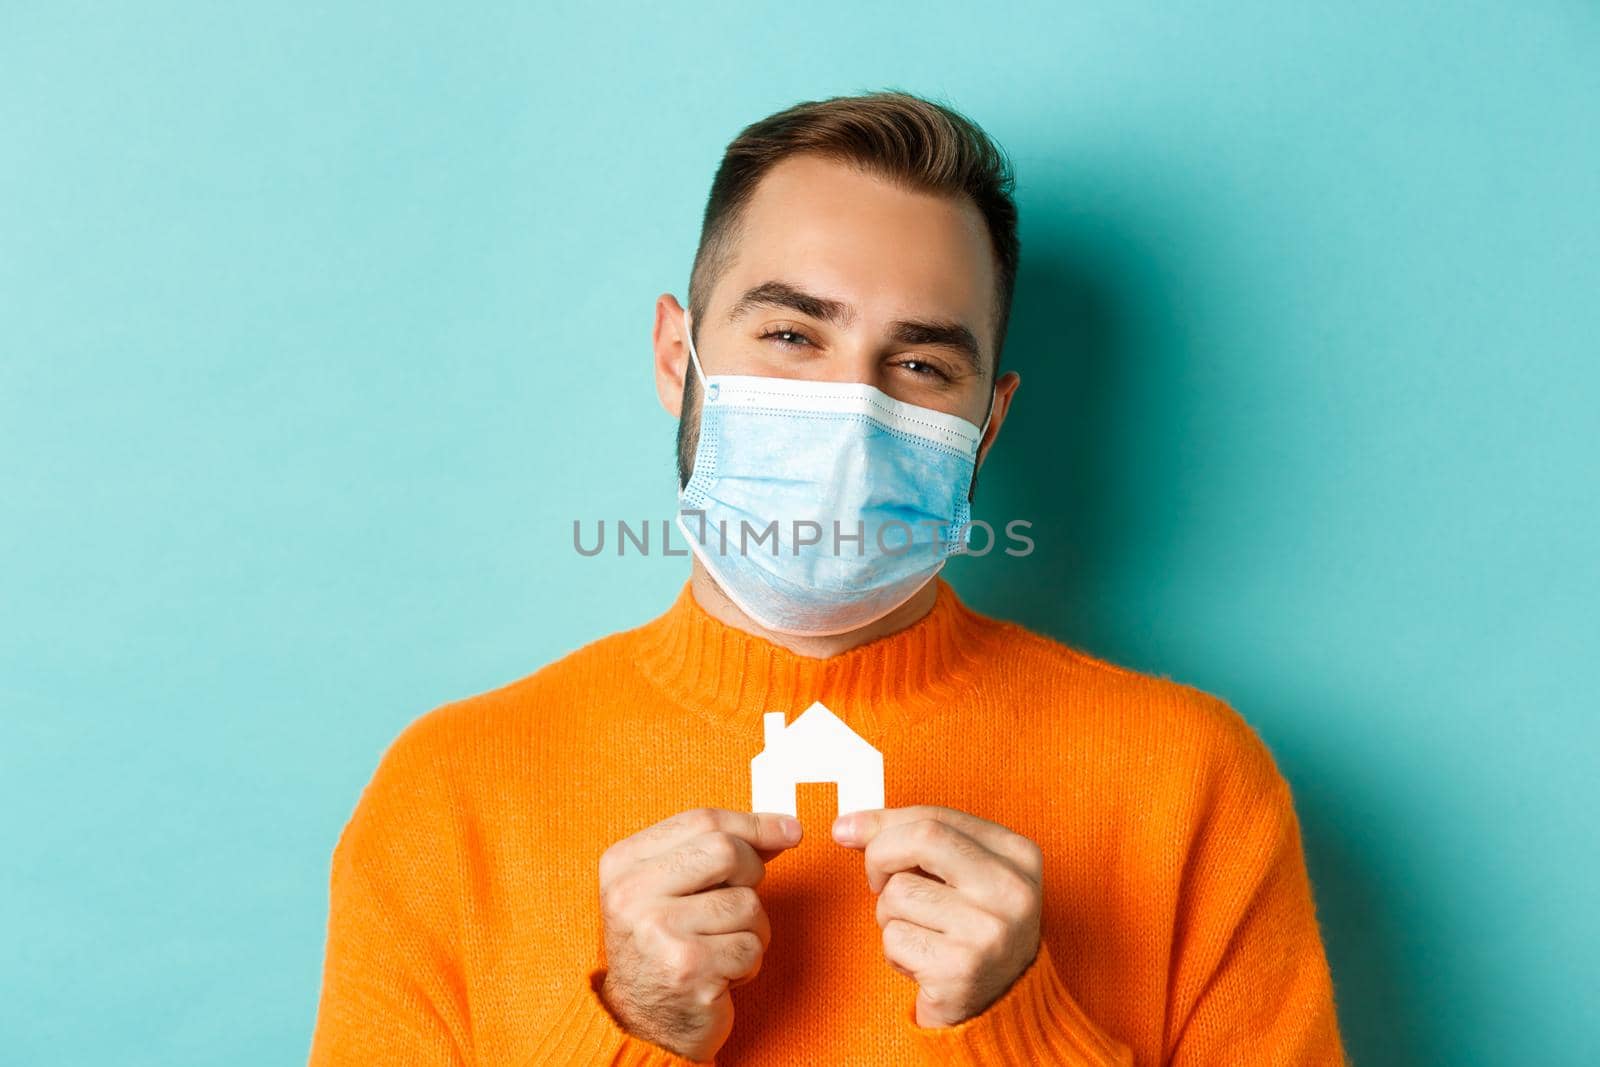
(820, 507)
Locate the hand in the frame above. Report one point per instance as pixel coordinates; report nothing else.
(683, 923)
(967, 932)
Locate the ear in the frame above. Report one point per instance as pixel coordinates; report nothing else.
(671, 353)
(1004, 389)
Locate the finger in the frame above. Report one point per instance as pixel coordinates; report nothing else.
(726, 910)
(703, 862)
(920, 900)
(768, 832)
(734, 956)
(912, 949)
(938, 848)
(856, 829)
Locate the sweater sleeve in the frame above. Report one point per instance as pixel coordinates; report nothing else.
(1251, 980)
(394, 988)
(590, 1034)
(1035, 1021)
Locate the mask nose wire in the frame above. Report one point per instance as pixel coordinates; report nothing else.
(694, 358)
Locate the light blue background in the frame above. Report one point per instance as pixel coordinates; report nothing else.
(318, 329)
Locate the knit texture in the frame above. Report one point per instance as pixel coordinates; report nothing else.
(1178, 926)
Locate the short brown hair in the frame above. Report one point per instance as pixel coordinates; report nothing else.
(903, 138)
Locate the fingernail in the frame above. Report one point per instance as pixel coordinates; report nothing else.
(844, 828)
(790, 827)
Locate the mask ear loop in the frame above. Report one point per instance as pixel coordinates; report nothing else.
(972, 484)
(985, 431)
(694, 357)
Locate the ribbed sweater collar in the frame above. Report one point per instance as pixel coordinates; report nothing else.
(893, 681)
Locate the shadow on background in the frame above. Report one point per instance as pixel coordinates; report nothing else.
(1094, 340)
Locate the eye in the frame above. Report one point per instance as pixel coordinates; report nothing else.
(923, 369)
(778, 333)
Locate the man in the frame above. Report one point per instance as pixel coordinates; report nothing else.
(1081, 864)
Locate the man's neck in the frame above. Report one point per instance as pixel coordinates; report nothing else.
(715, 602)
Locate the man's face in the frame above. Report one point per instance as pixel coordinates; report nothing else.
(841, 276)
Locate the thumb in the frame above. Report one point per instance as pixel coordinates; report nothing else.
(771, 833)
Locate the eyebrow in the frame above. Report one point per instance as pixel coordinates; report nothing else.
(945, 333)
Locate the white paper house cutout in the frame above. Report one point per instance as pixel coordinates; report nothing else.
(816, 747)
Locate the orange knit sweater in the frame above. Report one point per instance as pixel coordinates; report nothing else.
(1178, 924)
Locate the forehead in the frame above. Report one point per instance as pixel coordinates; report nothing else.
(848, 235)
